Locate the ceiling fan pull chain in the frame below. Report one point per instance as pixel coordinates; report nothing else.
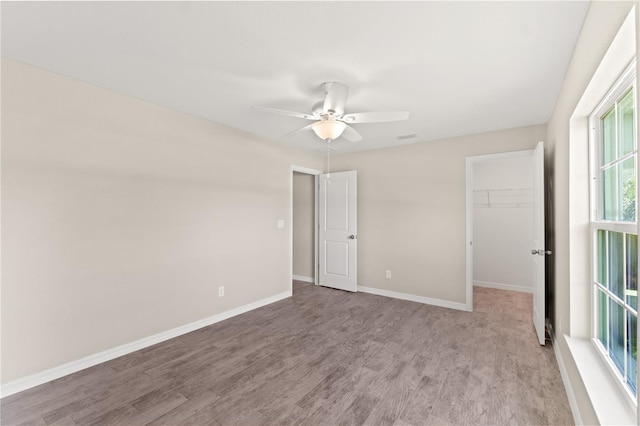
(329, 159)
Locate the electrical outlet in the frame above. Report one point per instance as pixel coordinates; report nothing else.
(388, 274)
(220, 291)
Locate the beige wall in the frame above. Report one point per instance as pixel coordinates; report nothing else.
(411, 210)
(303, 225)
(120, 219)
(601, 25)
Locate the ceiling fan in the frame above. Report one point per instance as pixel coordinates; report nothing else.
(329, 119)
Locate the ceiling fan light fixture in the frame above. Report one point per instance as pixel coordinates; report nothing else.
(328, 129)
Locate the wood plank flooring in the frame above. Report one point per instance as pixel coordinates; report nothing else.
(323, 357)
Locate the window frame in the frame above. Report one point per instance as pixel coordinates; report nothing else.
(625, 83)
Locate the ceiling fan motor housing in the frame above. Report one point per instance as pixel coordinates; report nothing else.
(317, 110)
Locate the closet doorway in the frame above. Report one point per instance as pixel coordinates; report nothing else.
(303, 224)
(503, 222)
(505, 231)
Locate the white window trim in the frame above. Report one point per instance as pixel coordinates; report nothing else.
(606, 398)
(622, 85)
(603, 388)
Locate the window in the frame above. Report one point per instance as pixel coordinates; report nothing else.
(614, 230)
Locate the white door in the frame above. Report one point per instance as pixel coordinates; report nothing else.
(538, 250)
(338, 231)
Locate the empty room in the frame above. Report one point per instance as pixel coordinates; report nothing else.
(318, 213)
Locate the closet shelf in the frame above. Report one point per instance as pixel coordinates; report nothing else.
(503, 198)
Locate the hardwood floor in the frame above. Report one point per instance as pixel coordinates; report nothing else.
(323, 357)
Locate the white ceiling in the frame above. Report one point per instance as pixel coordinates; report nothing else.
(457, 67)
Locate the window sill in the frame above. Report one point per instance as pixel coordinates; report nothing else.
(608, 399)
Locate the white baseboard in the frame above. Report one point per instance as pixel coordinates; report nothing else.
(501, 286)
(571, 396)
(414, 298)
(303, 278)
(74, 366)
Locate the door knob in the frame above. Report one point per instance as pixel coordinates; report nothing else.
(351, 237)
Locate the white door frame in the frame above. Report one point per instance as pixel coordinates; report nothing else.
(315, 173)
(470, 162)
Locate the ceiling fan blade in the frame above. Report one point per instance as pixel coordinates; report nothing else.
(285, 112)
(302, 129)
(375, 117)
(351, 134)
(336, 98)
